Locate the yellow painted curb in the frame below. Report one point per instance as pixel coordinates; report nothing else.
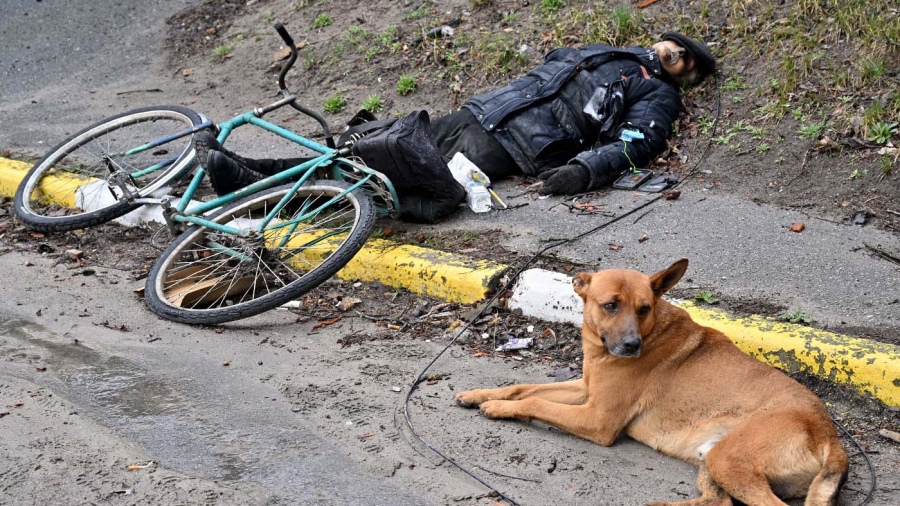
(12, 172)
(424, 271)
(867, 366)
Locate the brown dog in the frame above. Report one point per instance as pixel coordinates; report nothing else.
(684, 390)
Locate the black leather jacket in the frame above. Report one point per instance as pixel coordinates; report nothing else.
(574, 107)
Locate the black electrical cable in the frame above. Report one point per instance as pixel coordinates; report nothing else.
(511, 282)
(868, 462)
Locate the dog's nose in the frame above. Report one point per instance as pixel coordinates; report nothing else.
(631, 345)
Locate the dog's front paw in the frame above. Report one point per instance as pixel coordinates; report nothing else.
(469, 398)
(499, 409)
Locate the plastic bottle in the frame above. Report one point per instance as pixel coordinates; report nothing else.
(478, 197)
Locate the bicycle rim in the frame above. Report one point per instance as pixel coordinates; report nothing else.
(210, 277)
(74, 186)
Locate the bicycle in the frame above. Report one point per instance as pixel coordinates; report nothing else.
(234, 256)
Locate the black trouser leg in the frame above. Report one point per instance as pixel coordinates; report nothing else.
(460, 132)
(269, 166)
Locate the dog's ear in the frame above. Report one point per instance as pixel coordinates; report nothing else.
(664, 280)
(580, 283)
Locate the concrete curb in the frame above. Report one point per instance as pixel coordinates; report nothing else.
(869, 367)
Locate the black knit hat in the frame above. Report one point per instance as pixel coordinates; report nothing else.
(704, 61)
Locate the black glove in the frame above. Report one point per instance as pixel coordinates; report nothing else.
(565, 180)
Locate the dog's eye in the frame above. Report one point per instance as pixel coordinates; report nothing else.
(611, 306)
(643, 310)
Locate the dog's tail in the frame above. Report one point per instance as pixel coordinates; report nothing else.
(825, 486)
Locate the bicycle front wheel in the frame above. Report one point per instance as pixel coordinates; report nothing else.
(209, 276)
(88, 179)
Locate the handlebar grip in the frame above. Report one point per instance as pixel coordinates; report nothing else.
(285, 36)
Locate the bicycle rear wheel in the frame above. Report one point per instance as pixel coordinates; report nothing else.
(210, 277)
(74, 185)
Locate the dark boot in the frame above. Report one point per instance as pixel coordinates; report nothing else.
(205, 141)
(227, 175)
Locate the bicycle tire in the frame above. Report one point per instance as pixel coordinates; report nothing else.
(65, 190)
(196, 281)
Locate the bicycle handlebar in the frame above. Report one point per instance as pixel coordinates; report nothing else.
(286, 37)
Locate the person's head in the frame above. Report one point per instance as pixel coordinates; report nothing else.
(684, 59)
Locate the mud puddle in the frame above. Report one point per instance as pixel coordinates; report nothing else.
(200, 420)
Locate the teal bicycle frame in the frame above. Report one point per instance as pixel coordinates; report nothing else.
(363, 177)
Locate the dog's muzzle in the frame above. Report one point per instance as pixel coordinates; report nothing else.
(629, 346)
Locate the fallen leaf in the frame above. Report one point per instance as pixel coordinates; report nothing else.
(349, 302)
(285, 52)
(481, 354)
(645, 3)
(671, 194)
(41, 368)
(325, 323)
(226, 363)
(15, 405)
(615, 247)
(798, 227)
(187, 72)
(643, 238)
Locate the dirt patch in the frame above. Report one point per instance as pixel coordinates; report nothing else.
(201, 28)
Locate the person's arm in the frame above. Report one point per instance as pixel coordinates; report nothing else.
(653, 115)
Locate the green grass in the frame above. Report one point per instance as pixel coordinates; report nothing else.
(813, 130)
(796, 316)
(223, 51)
(322, 20)
(706, 297)
(406, 85)
(551, 6)
(881, 133)
(373, 103)
(335, 104)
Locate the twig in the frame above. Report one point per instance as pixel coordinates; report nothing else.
(893, 436)
(883, 254)
(802, 168)
(152, 90)
(641, 216)
(506, 475)
(892, 212)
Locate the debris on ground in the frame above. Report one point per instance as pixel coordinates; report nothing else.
(516, 344)
(136, 467)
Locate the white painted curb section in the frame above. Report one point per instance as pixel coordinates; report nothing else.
(547, 295)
